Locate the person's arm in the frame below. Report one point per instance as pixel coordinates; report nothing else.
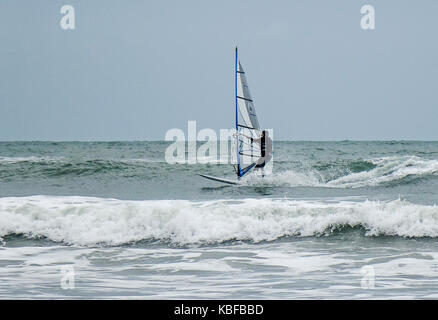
(250, 138)
(241, 134)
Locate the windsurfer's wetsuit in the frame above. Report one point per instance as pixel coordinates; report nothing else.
(266, 151)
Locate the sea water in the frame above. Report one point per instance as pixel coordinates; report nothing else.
(343, 220)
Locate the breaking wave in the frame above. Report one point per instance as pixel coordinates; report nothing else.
(101, 221)
(388, 171)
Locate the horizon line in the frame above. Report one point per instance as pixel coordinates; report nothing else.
(282, 140)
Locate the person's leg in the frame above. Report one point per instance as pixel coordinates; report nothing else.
(260, 165)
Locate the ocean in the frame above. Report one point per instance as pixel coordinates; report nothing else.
(113, 220)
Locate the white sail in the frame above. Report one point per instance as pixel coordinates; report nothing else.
(245, 102)
(247, 124)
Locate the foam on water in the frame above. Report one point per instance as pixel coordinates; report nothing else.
(91, 221)
(387, 171)
(221, 242)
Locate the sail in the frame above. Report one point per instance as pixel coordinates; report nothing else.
(247, 124)
(245, 102)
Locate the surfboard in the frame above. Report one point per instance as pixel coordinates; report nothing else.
(219, 179)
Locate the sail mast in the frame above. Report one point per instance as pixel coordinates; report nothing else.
(237, 117)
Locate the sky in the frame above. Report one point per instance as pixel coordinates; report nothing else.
(132, 70)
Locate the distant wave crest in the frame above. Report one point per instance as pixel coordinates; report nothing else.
(388, 171)
(47, 167)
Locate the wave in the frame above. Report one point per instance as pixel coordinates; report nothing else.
(37, 167)
(31, 159)
(98, 221)
(35, 159)
(387, 171)
(353, 173)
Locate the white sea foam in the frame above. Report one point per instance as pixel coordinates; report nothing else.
(386, 170)
(90, 221)
(288, 178)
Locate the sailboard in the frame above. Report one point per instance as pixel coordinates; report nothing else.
(228, 181)
(247, 126)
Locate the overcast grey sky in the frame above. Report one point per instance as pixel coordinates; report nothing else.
(133, 69)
